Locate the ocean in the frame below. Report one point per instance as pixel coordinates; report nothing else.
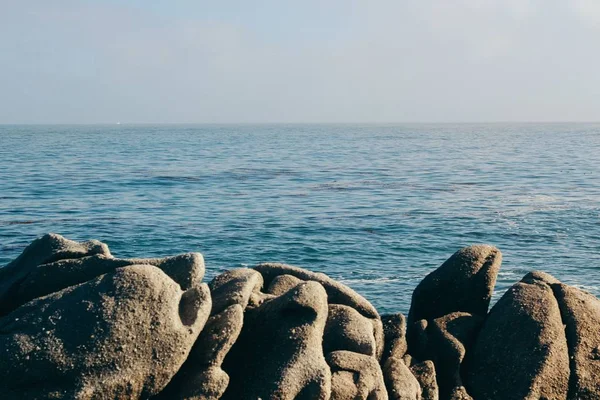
(374, 206)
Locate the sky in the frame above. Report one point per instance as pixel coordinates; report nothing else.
(314, 61)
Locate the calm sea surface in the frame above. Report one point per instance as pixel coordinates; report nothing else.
(377, 207)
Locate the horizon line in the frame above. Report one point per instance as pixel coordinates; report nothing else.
(292, 123)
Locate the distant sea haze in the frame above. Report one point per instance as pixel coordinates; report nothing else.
(375, 206)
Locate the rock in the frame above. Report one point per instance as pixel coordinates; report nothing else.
(219, 335)
(121, 335)
(49, 248)
(394, 329)
(426, 376)
(355, 377)
(337, 293)
(521, 350)
(278, 354)
(347, 329)
(185, 269)
(581, 314)
(418, 340)
(196, 384)
(282, 284)
(234, 287)
(201, 376)
(465, 282)
(450, 337)
(401, 384)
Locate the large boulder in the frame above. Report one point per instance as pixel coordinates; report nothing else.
(465, 282)
(581, 314)
(49, 248)
(185, 269)
(278, 354)
(122, 335)
(521, 351)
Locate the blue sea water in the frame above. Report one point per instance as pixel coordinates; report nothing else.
(375, 206)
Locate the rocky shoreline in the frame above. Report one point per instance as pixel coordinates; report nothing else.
(78, 323)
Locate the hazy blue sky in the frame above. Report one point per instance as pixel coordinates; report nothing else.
(88, 61)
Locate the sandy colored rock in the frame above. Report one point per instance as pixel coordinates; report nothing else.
(355, 376)
(282, 284)
(185, 269)
(521, 350)
(337, 293)
(394, 329)
(449, 338)
(122, 335)
(401, 384)
(581, 314)
(201, 384)
(234, 287)
(218, 336)
(465, 282)
(49, 248)
(426, 376)
(278, 354)
(347, 329)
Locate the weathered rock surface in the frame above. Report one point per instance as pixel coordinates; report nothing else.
(121, 335)
(47, 249)
(282, 283)
(426, 376)
(581, 314)
(521, 351)
(77, 323)
(400, 382)
(465, 282)
(449, 338)
(337, 293)
(185, 269)
(279, 353)
(234, 287)
(355, 377)
(346, 329)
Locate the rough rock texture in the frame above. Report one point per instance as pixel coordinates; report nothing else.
(185, 269)
(234, 287)
(76, 323)
(426, 376)
(282, 283)
(119, 336)
(449, 338)
(346, 329)
(399, 380)
(279, 352)
(581, 314)
(465, 282)
(49, 248)
(401, 384)
(521, 350)
(394, 329)
(337, 293)
(355, 377)
(201, 376)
